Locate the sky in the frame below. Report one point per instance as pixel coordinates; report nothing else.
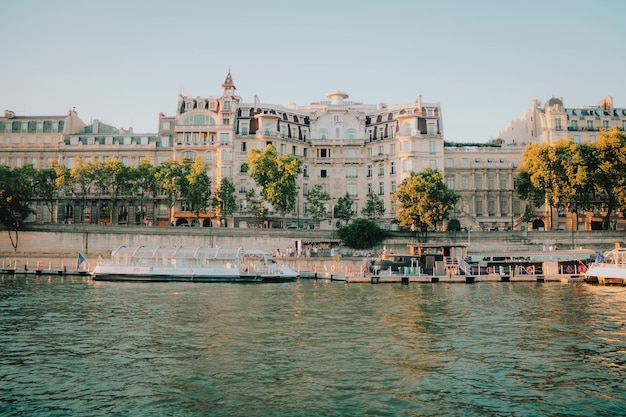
(484, 61)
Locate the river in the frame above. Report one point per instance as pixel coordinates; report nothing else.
(73, 347)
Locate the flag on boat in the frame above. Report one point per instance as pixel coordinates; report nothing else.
(582, 268)
(81, 259)
(599, 259)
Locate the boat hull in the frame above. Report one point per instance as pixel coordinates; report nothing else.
(193, 278)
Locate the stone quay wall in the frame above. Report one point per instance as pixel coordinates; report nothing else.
(59, 244)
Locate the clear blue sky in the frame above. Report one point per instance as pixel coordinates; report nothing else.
(124, 62)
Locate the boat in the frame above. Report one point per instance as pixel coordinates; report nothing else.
(200, 264)
(608, 269)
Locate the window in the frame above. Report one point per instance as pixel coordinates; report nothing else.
(323, 153)
(557, 123)
(351, 189)
(369, 171)
(351, 171)
(245, 112)
(577, 139)
(242, 186)
(464, 163)
(490, 182)
(323, 134)
(392, 168)
(305, 171)
(491, 207)
(224, 139)
(502, 163)
(225, 120)
(393, 187)
(489, 163)
(449, 163)
(574, 124)
(478, 163)
(432, 129)
(305, 152)
(293, 150)
(381, 188)
(431, 146)
(478, 182)
(225, 155)
(166, 126)
(337, 118)
(406, 166)
(605, 124)
(479, 207)
(380, 150)
(504, 206)
(503, 183)
(406, 146)
(430, 112)
(283, 149)
(351, 134)
(589, 124)
(432, 164)
(381, 170)
(244, 147)
(225, 172)
(189, 155)
(369, 188)
(349, 153)
(226, 104)
(208, 157)
(465, 182)
(392, 149)
(323, 173)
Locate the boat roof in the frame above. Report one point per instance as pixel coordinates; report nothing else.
(180, 252)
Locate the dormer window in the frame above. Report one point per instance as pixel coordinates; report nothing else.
(226, 104)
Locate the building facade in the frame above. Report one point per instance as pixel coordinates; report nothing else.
(345, 146)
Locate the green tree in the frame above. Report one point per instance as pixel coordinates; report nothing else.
(276, 175)
(343, 208)
(256, 207)
(113, 179)
(225, 198)
(316, 203)
(46, 188)
(171, 177)
(374, 207)
(16, 194)
(198, 193)
(144, 184)
(361, 234)
(422, 200)
(82, 178)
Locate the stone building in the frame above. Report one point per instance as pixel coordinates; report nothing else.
(345, 146)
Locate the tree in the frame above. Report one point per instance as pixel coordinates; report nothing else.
(276, 175)
(171, 176)
(607, 171)
(198, 193)
(423, 200)
(82, 178)
(343, 208)
(255, 207)
(46, 188)
(316, 203)
(361, 234)
(113, 179)
(144, 183)
(16, 193)
(225, 198)
(374, 207)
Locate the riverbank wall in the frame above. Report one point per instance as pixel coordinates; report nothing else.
(60, 244)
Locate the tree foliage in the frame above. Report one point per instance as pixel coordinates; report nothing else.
(225, 198)
(316, 200)
(361, 234)
(171, 176)
(198, 193)
(374, 207)
(276, 175)
(16, 193)
(422, 200)
(343, 209)
(574, 176)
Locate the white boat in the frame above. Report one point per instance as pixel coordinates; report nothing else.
(191, 264)
(609, 269)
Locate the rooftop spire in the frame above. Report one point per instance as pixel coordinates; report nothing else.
(228, 83)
